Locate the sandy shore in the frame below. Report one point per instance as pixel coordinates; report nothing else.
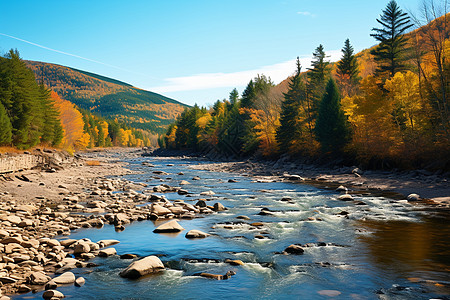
(433, 189)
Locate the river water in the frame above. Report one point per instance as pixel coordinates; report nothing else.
(383, 249)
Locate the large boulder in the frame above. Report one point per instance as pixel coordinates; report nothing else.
(294, 249)
(160, 210)
(141, 267)
(53, 294)
(171, 226)
(38, 278)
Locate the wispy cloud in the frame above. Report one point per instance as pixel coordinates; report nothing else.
(66, 53)
(306, 13)
(277, 72)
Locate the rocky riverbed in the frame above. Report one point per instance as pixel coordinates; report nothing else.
(39, 208)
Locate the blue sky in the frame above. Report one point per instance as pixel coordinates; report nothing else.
(192, 51)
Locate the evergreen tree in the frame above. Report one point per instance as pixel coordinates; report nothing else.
(234, 97)
(289, 130)
(249, 95)
(347, 67)
(390, 53)
(331, 129)
(320, 67)
(5, 127)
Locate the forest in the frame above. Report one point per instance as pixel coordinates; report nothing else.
(385, 107)
(31, 114)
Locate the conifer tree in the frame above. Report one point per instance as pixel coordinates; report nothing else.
(390, 53)
(320, 67)
(288, 130)
(331, 128)
(347, 67)
(5, 126)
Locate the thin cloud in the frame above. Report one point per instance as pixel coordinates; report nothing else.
(306, 13)
(277, 72)
(66, 53)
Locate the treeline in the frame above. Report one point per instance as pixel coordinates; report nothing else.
(31, 114)
(385, 107)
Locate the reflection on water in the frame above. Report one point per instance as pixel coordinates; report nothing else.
(417, 251)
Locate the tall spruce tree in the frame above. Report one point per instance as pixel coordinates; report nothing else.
(5, 127)
(332, 130)
(390, 53)
(288, 131)
(319, 66)
(347, 67)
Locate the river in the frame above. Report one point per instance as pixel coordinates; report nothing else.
(372, 248)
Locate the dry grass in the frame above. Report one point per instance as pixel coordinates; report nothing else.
(7, 149)
(92, 163)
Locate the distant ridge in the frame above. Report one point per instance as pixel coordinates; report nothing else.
(109, 97)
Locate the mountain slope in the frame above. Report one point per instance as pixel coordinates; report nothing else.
(108, 97)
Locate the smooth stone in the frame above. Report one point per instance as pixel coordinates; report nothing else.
(160, 210)
(219, 207)
(81, 247)
(413, 197)
(294, 249)
(65, 278)
(128, 256)
(107, 243)
(107, 252)
(24, 289)
(171, 226)
(49, 294)
(14, 219)
(345, 197)
(144, 266)
(80, 281)
(234, 262)
(196, 234)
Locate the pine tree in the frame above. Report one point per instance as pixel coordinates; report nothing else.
(320, 67)
(331, 128)
(347, 67)
(5, 126)
(289, 130)
(390, 53)
(249, 95)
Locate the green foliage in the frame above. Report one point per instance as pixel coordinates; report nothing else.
(33, 116)
(5, 127)
(390, 53)
(347, 67)
(289, 131)
(331, 128)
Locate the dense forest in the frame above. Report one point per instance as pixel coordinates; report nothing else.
(32, 114)
(382, 108)
(108, 97)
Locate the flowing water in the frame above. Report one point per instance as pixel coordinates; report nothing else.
(382, 249)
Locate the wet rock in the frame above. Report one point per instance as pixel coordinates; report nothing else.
(341, 188)
(107, 252)
(345, 197)
(196, 234)
(144, 266)
(243, 217)
(215, 276)
(265, 212)
(196, 178)
(413, 197)
(52, 294)
(234, 262)
(219, 207)
(294, 177)
(171, 226)
(23, 289)
(107, 243)
(207, 193)
(182, 192)
(128, 256)
(232, 180)
(184, 182)
(80, 281)
(200, 203)
(294, 249)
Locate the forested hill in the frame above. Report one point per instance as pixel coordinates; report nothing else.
(109, 97)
